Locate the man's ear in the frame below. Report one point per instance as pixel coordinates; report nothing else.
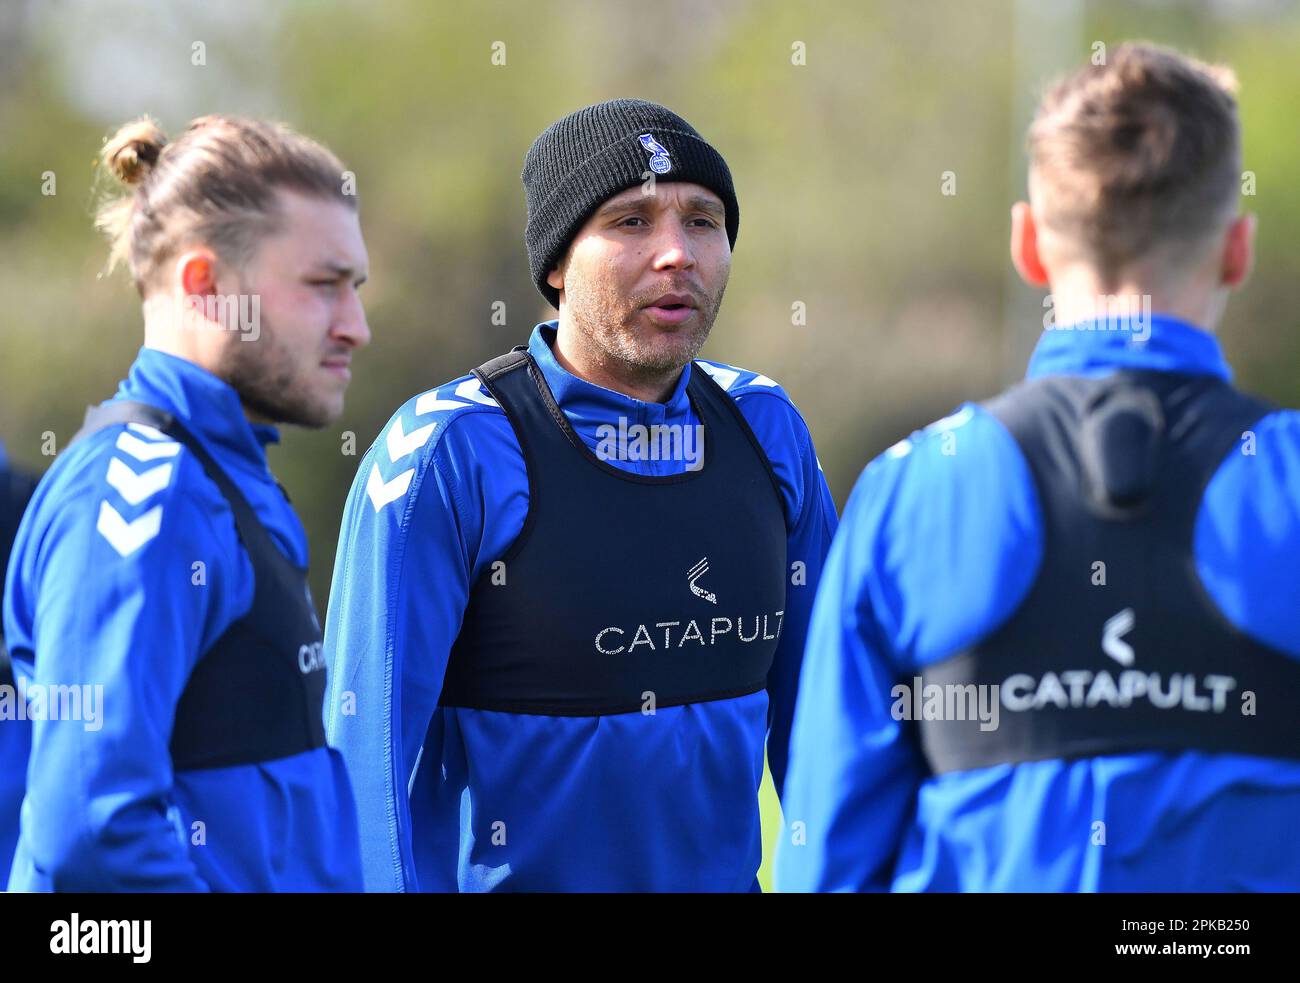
(196, 270)
(1024, 246)
(1238, 251)
(556, 277)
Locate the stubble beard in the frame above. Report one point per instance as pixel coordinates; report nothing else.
(262, 372)
(612, 328)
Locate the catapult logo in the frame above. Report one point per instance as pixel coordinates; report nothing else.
(1084, 689)
(311, 658)
(1112, 637)
(694, 574)
(704, 631)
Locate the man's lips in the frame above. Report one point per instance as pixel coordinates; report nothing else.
(671, 308)
(339, 366)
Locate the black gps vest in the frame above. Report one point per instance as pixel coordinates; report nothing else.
(624, 592)
(258, 693)
(1117, 647)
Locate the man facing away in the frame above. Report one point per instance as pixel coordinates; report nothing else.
(572, 587)
(1056, 646)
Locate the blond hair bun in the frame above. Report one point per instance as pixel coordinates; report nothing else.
(133, 150)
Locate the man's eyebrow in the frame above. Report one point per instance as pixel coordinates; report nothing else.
(622, 205)
(342, 271)
(699, 203)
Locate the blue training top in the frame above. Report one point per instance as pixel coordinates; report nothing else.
(935, 552)
(127, 569)
(440, 496)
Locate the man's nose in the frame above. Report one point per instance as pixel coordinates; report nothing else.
(673, 247)
(351, 326)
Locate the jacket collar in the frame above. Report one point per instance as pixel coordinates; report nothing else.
(589, 405)
(1096, 348)
(207, 406)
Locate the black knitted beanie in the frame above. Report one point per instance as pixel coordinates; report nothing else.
(591, 155)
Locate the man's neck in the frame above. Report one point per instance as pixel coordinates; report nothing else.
(1079, 298)
(193, 344)
(608, 373)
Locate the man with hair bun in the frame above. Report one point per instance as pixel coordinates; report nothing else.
(162, 633)
(1057, 644)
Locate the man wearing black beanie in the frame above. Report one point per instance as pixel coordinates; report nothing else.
(572, 587)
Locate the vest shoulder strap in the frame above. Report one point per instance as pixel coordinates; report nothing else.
(126, 411)
(502, 364)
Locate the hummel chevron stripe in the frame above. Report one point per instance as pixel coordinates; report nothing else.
(469, 389)
(382, 492)
(142, 451)
(400, 443)
(135, 488)
(430, 403)
(127, 537)
(723, 377)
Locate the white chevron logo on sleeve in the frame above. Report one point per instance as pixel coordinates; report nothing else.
(135, 488)
(430, 403)
(127, 537)
(723, 377)
(762, 380)
(142, 451)
(401, 443)
(469, 389)
(382, 492)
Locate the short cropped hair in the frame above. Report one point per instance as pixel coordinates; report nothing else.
(1136, 155)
